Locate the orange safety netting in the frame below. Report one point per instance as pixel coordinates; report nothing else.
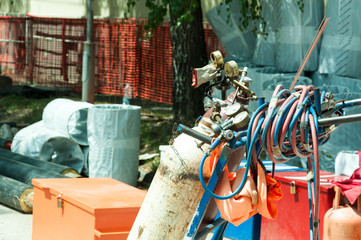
(49, 52)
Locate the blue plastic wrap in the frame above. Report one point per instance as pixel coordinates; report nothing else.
(346, 137)
(294, 34)
(236, 42)
(340, 51)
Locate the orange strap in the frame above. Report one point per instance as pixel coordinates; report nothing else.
(269, 190)
(213, 159)
(253, 198)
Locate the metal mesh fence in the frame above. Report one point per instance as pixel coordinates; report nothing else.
(49, 52)
(14, 48)
(57, 48)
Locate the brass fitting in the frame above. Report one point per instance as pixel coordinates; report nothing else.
(243, 89)
(215, 114)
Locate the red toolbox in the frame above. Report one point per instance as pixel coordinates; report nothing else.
(293, 221)
(84, 208)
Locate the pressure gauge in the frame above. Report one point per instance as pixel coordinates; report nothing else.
(231, 68)
(241, 120)
(234, 109)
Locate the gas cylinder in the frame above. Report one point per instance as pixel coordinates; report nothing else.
(175, 191)
(342, 223)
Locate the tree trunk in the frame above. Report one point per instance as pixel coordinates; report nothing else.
(189, 51)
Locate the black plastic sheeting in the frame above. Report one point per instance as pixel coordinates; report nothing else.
(11, 191)
(24, 172)
(48, 166)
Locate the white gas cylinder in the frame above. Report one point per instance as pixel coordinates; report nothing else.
(175, 192)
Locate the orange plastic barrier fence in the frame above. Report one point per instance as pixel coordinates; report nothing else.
(49, 52)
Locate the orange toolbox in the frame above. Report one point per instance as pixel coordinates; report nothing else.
(84, 208)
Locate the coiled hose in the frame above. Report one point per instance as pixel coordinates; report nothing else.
(286, 128)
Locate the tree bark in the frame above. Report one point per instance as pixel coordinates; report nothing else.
(188, 52)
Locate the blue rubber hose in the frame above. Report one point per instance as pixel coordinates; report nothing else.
(249, 129)
(307, 130)
(249, 160)
(282, 119)
(294, 119)
(318, 101)
(265, 130)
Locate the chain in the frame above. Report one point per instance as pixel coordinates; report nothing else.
(175, 133)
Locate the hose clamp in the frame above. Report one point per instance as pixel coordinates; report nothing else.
(273, 102)
(301, 105)
(303, 125)
(310, 175)
(296, 94)
(306, 146)
(276, 150)
(280, 112)
(330, 129)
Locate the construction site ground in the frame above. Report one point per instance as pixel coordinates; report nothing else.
(18, 226)
(155, 120)
(15, 225)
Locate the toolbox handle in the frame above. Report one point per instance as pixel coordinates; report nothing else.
(110, 235)
(336, 200)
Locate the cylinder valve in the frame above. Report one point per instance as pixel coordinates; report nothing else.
(217, 59)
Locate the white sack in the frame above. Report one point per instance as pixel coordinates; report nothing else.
(37, 141)
(69, 118)
(114, 135)
(346, 163)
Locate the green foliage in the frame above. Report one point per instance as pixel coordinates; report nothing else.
(158, 10)
(250, 13)
(154, 163)
(301, 5)
(182, 9)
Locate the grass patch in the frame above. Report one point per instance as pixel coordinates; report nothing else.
(21, 109)
(155, 130)
(155, 127)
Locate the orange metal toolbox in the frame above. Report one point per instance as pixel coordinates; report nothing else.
(84, 208)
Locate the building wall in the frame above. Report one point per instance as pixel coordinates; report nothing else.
(14, 7)
(102, 8)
